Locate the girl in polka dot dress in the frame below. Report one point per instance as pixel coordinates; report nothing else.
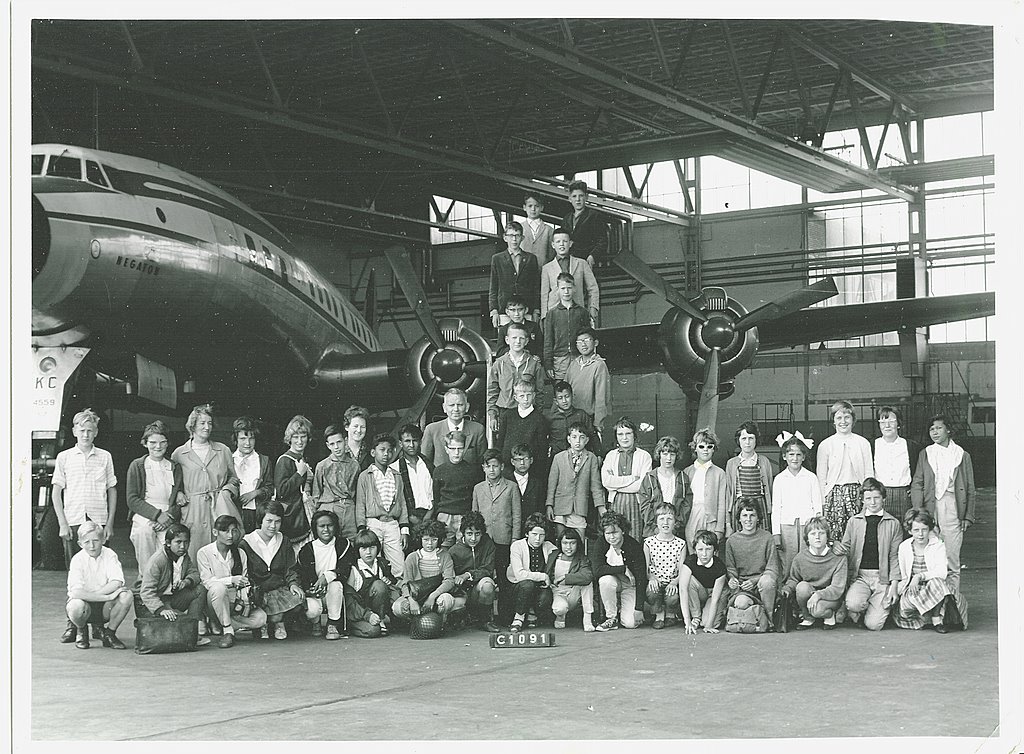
(663, 552)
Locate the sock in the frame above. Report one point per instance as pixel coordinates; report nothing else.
(229, 630)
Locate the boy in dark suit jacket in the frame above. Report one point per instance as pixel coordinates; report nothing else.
(513, 272)
(589, 229)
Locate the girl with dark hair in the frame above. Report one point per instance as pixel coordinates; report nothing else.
(620, 573)
(271, 561)
(527, 573)
(623, 471)
(154, 494)
(571, 578)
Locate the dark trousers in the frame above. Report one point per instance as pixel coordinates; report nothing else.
(189, 601)
(530, 594)
(505, 587)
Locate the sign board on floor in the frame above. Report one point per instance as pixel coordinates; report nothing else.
(522, 640)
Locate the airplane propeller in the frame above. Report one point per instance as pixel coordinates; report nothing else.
(713, 327)
(405, 276)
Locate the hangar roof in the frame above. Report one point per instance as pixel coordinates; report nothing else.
(361, 110)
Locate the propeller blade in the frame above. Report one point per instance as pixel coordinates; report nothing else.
(476, 368)
(707, 409)
(789, 303)
(415, 411)
(405, 275)
(642, 273)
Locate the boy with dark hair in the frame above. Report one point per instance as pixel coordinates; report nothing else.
(474, 558)
(561, 324)
(513, 272)
(589, 229)
(574, 483)
(516, 311)
(591, 383)
(417, 480)
(453, 487)
(498, 500)
(380, 503)
(532, 484)
(334, 481)
(562, 415)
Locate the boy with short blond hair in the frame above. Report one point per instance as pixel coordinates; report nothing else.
(526, 425)
(515, 309)
(506, 370)
(454, 481)
(96, 590)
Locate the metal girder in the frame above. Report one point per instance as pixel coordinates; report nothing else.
(333, 129)
(658, 49)
(734, 63)
(819, 136)
(811, 166)
(424, 70)
(513, 109)
(684, 48)
(373, 81)
(274, 94)
(765, 77)
(828, 55)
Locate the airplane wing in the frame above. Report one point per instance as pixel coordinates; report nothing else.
(853, 320)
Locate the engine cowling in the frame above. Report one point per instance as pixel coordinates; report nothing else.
(686, 342)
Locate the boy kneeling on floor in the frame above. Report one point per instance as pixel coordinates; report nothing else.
(96, 590)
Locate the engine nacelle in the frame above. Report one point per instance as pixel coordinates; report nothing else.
(686, 343)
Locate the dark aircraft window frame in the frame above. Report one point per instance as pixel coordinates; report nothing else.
(59, 166)
(250, 244)
(94, 174)
(38, 161)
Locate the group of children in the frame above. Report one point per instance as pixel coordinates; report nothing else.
(518, 533)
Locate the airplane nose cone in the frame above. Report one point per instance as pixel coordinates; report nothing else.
(40, 237)
(448, 365)
(717, 332)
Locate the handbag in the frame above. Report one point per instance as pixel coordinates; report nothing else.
(157, 635)
(785, 612)
(951, 617)
(422, 588)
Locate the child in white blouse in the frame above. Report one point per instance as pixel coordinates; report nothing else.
(796, 499)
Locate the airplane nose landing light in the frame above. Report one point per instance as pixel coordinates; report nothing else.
(717, 332)
(448, 365)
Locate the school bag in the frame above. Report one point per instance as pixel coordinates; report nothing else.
(157, 635)
(746, 620)
(785, 612)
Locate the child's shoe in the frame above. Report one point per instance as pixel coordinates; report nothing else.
(316, 629)
(332, 633)
(280, 632)
(70, 634)
(559, 622)
(609, 625)
(111, 641)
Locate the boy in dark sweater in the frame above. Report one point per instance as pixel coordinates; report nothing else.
(474, 559)
(562, 415)
(525, 425)
(453, 486)
(561, 324)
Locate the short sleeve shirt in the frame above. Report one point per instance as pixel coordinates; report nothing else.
(91, 574)
(706, 576)
(85, 479)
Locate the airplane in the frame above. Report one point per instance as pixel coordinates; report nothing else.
(165, 276)
(172, 283)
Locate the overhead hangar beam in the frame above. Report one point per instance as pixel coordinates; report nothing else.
(857, 72)
(263, 112)
(816, 169)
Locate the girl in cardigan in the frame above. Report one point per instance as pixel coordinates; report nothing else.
(323, 567)
(293, 483)
(623, 469)
(748, 477)
(705, 489)
(571, 579)
(271, 568)
(924, 592)
(429, 576)
(620, 572)
(844, 461)
(154, 494)
(169, 582)
(817, 577)
(796, 499)
(664, 484)
(663, 552)
(528, 575)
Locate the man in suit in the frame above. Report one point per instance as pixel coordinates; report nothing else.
(456, 406)
(589, 229)
(513, 272)
(585, 291)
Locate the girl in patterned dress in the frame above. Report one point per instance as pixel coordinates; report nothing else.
(663, 552)
(924, 593)
(622, 472)
(844, 462)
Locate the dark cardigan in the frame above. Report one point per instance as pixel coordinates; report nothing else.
(581, 572)
(136, 491)
(305, 566)
(279, 572)
(632, 557)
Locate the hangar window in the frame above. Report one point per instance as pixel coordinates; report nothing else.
(37, 163)
(94, 174)
(65, 167)
(462, 215)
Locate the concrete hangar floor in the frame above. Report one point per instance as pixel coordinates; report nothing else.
(640, 684)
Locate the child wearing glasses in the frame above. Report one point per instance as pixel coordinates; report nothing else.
(514, 272)
(705, 489)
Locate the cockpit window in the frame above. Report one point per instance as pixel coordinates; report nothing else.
(94, 174)
(65, 167)
(37, 163)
